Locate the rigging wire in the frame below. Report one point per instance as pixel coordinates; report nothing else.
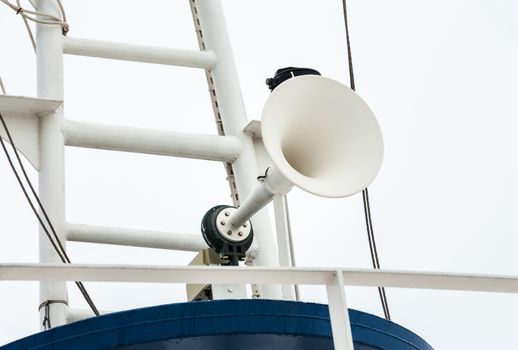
(365, 192)
(29, 32)
(374, 250)
(43, 17)
(2, 87)
(54, 238)
(38, 17)
(28, 28)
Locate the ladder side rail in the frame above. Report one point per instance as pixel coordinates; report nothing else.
(210, 20)
(49, 65)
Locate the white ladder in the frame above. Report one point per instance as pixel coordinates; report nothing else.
(43, 136)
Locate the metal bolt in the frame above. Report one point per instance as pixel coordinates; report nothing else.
(222, 222)
(229, 233)
(245, 225)
(227, 213)
(230, 290)
(240, 233)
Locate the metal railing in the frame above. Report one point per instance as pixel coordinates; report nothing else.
(50, 132)
(334, 280)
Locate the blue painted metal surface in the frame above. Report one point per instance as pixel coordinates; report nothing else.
(223, 324)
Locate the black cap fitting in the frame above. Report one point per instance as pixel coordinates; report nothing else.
(284, 74)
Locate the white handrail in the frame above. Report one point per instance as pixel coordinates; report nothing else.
(333, 279)
(263, 275)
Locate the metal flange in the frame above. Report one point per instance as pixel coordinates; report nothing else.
(229, 232)
(229, 242)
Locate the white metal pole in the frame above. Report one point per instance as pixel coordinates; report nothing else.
(283, 241)
(338, 313)
(49, 62)
(233, 116)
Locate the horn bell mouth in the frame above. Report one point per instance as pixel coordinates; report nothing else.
(322, 136)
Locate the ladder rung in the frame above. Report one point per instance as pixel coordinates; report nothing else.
(159, 142)
(135, 238)
(139, 53)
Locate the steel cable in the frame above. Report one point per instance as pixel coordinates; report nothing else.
(56, 242)
(54, 238)
(365, 192)
(36, 17)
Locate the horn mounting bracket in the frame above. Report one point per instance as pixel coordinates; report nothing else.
(229, 242)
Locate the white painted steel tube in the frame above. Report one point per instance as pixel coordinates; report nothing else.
(135, 238)
(160, 142)
(274, 183)
(264, 275)
(49, 66)
(233, 116)
(139, 53)
(284, 247)
(338, 314)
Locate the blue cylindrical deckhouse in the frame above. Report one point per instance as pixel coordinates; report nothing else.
(252, 324)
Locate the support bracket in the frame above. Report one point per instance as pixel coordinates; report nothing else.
(21, 115)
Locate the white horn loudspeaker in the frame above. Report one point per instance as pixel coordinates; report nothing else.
(320, 136)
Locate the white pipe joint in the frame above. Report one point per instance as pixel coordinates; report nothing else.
(139, 53)
(271, 184)
(159, 142)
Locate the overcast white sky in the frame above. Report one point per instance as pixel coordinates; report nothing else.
(440, 76)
